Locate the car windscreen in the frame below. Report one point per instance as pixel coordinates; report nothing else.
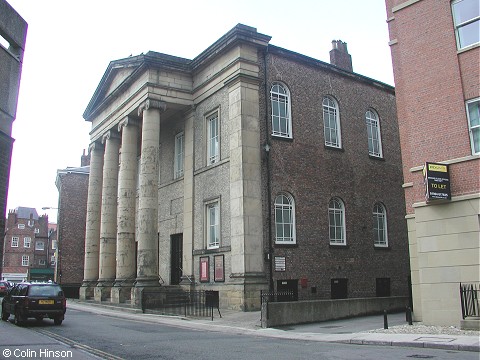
(45, 290)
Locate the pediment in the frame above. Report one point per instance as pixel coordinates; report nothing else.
(118, 74)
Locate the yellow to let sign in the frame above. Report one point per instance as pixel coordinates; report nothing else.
(437, 167)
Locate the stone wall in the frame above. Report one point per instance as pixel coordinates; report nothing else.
(300, 312)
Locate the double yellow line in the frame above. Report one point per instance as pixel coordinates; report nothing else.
(77, 345)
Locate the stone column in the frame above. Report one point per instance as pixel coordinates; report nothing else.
(92, 231)
(127, 186)
(187, 261)
(147, 258)
(108, 222)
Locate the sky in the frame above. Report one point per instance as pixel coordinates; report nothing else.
(71, 42)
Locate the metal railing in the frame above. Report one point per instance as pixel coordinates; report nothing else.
(197, 303)
(276, 296)
(469, 300)
(273, 296)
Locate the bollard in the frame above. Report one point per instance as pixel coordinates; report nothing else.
(409, 316)
(385, 320)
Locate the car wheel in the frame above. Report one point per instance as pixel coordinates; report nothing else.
(18, 318)
(58, 321)
(5, 315)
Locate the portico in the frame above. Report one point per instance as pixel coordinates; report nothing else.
(150, 182)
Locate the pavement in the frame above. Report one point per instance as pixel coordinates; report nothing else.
(365, 330)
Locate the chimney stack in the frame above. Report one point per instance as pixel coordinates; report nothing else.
(85, 161)
(339, 55)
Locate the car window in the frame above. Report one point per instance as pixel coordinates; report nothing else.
(42, 290)
(22, 290)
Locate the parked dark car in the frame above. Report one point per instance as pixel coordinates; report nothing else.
(4, 287)
(35, 300)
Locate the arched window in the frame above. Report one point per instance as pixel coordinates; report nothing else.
(336, 222)
(380, 236)
(331, 123)
(284, 219)
(373, 131)
(281, 118)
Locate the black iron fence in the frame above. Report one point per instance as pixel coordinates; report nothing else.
(276, 296)
(469, 299)
(177, 302)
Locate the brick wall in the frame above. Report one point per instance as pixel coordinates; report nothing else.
(73, 189)
(313, 174)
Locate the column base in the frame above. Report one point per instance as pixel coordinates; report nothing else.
(87, 290)
(102, 291)
(187, 281)
(120, 294)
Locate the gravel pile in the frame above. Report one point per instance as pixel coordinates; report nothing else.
(418, 328)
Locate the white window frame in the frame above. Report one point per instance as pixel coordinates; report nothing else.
(179, 155)
(21, 226)
(27, 242)
(15, 241)
(373, 133)
(380, 237)
(54, 244)
(474, 130)
(284, 207)
(42, 262)
(212, 225)
(38, 247)
(461, 24)
(37, 231)
(31, 223)
(281, 111)
(25, 260)
(331, 122)
(336, 208)
(52, 260)
(213, 138)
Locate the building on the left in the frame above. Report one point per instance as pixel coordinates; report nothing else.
(13, 32)
(28, 252)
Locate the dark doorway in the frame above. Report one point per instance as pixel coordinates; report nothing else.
(287, 285)
(176, 247)
(339, 288)
(383, 287)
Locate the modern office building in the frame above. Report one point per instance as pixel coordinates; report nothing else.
(436, 61)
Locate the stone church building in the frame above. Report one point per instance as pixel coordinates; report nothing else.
(248, 168)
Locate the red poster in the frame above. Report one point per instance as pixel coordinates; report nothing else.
(204, 269)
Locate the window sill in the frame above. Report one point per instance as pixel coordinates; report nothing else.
(378, 158)
(212, 251)
(286, 245)
(381, 248)
(282, 138)
(338, 246)
(329, 147)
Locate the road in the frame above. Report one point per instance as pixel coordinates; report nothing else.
(90, 336)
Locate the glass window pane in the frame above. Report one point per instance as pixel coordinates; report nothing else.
(465, 10)
(469, 34)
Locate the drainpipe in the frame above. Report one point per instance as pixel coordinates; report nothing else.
(267, 148)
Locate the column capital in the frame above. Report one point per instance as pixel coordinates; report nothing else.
(127, 121)
(151, 104)
(96, 145)
(110, 134)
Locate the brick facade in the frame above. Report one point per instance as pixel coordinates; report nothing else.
(314, 173)
(435, 77)
(72, 184)
(23, 224)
